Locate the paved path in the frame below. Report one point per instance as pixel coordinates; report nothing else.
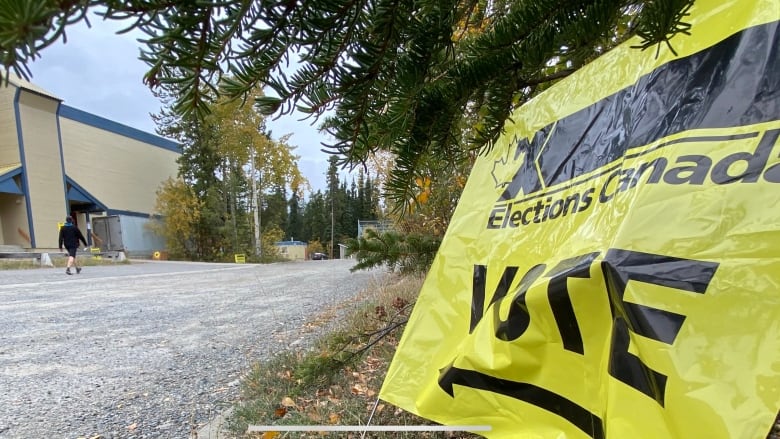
(148, 350)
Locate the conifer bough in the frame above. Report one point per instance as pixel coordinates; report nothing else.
(417, 78)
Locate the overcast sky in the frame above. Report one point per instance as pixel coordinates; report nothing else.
(99, 72)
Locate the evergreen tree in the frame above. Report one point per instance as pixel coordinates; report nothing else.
(275, 209)
(232, 165)
(352, 212)
(294, 229)
(361, 202)
(370, 206)
(201, 167)
(418, 79)
(316, 218)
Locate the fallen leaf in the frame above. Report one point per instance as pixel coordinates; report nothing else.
(288, 402)
(399, 303)
(334, 418)
(358, 389)
(379, 408)
(132, 426)
(280, 412)
(270, 435)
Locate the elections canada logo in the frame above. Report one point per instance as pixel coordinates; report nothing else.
(547, 182)
(601, 151)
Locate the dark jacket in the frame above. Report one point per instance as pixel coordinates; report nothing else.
(70, 236)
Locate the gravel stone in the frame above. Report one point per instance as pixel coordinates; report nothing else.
(150, 350)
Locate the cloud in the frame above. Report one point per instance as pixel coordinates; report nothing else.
(98, 71)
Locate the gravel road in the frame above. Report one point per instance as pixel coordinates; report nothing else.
(148, 350)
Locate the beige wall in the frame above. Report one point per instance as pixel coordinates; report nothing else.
(120, 172)
(14, 219)
(43, 165)
(293, 252)
(106, 161)
(9, 145)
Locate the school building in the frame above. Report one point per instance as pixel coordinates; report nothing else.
(57, 160)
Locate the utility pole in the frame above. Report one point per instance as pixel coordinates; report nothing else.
(332, 225)
(256, 202)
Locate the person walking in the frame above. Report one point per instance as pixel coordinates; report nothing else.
(70, 235)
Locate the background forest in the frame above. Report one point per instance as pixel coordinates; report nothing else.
(228, 160)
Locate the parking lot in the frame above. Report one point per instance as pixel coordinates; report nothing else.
(153, 349)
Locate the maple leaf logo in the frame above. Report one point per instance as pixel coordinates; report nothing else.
(505, 168)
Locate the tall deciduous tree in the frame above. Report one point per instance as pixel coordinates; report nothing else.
(246, 148)
(177, 214)
(201, 168)
(423, 78)
(232, 165)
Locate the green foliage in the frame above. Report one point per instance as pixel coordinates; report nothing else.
(434, 196)
(275, 209)
(314, 246)
(176, 217)
(417, 79)
(334, 213)
(316, 219)
(227, 156)
(294, 226)
(271, 235)
(405, 253)
(319, 369)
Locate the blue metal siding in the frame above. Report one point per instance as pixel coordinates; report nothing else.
(25, 183)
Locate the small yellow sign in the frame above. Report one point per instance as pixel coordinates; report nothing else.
(240, 258)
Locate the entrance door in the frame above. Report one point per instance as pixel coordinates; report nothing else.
(108, 229)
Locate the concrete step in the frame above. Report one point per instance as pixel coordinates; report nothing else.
(11, 249)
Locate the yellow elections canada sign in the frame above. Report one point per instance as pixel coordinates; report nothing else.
(613, 267)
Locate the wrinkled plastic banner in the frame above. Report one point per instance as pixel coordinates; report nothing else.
(613, 267)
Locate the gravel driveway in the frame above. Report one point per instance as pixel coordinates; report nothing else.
(148, 350)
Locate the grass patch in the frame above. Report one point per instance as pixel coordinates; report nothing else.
(58, 261)
(336, 380)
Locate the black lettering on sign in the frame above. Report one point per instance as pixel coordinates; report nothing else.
(518, 320)
(620, 267)
(560, 299)
(478, 291)
(538, 396)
